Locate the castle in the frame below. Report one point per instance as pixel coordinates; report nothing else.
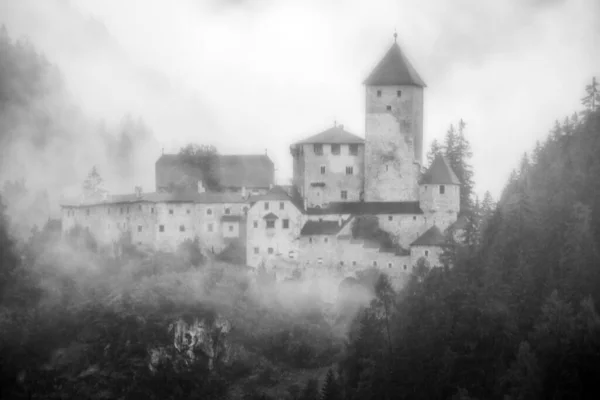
(338, 178)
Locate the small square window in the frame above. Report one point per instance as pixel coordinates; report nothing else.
(389, 108)
(286, 223)
(349, 170)
(256, 224)
(353, 149)
(426, 253)
(152, 210)
(318, 149)
(399, 93)
(227, 211)
(390, 265)
(353, 262)
(322, 170)
(309, 240)
(266, 205)
(270, 250)
(341, 263)
(379, 93)
(256, 250)
(404, 266)
(209, 211)
(230, 228)
(442, 189)
(189, 211)
(374, 263)
(139, 228)
(181, 228)
(390, 218)
(344, 195)
(121, 210)
(161, 228)
(281, 205)
(325, 240)
(245, 210)
(414, 217)
(335, 149)
(271, 223)
(171, 211)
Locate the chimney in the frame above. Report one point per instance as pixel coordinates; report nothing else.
(201, 188)
(138, 192)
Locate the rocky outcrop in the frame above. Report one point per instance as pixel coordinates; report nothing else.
(194, 340)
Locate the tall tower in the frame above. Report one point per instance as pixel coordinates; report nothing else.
(394, 129)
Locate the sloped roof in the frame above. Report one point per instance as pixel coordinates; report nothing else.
(160, 197)
(231, 218)
(370, 208)
(432, 237)
(334, 135)
(394, 69)
(270, 216)
(251, 171)
(440, 173)
(320, 228)
(277, 193)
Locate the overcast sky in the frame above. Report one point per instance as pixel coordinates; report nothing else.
(250, 75)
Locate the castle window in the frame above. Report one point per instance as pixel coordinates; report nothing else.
(325, 240)
(414, 217)
(374, 263)
(404, 267)
(171, 211)
(121, 210)
(181, 228)
(161, 228)
(399, 93)
(227, 211)
(389, 108)
(318, 149)
(353, 149)
(189, 211)
(210, 227)
(270, 223)
(341, 263)
(139, 228)
(270, 250)
(309, 240)
(266, 205)
(353, 262)
(256, 250)
(286, 223)
(390, 265)
(245, 210)
(344, 195)
(281, 205)
(87, 212)
(152, 210)
(390, 218)
(140, 207)
(349, 170)
(209, 211)
(256, 224)
(387, 168)
(379, 93)
(230, 228)
(322, 170)
(442, 189)
(426, 253)
(335, 149)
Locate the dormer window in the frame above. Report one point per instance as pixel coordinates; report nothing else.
(318, 149)
(442, 189)
(335, 149)
(379, 93)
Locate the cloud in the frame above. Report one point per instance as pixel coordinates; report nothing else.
(249, 75)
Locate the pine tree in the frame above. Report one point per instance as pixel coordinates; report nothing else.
(436, 149)
(92, 186)
(457, 150)
(330, 390)
(592, 99)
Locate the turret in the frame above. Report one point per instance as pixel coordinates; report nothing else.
(439, 193)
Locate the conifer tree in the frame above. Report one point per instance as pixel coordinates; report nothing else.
(436, 149)
(92, 186)
(330, 390)
(592, 98)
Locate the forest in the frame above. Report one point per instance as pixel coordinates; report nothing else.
(512, 314)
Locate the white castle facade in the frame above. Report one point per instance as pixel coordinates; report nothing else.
(338, 179)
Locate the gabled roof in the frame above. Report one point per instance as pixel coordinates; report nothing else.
(368, 208)
(432, 237)
(322, 227)
(440, 173)
(277, 193)
(270, 216)
(394, 69)
(251, 171)
(334, 135)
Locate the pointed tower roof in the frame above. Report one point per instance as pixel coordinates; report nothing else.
(394, 69)
(440, 173)
(432, 237)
